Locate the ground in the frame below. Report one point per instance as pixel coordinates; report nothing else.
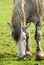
(8, 50)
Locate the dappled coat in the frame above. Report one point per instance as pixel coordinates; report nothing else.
(26, 11)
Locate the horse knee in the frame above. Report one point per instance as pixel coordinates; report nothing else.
(38, 34)
(37, 37)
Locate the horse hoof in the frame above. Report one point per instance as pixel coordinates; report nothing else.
(40, 55)
(28, 54)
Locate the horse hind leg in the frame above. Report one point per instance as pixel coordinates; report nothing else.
(28, 47)
(39, 51)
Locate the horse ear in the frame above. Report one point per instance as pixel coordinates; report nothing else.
(11, 26)
(25, 27)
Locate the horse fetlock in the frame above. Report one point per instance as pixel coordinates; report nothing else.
(28, 51)
(39, 48)
(40, 55)
(28, 54)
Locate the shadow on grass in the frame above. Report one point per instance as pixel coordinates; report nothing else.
(38, 59)
(10, 55)
(2, 56)
(7, 55)
(13, 57)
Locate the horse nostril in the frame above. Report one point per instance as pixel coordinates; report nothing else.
(24, 38)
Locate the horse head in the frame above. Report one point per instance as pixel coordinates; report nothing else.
(16, 31)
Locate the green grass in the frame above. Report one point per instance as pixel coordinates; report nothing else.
(8, 48)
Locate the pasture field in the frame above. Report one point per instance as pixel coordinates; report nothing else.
(8, 48)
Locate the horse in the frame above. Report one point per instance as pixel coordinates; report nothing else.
(24, 13)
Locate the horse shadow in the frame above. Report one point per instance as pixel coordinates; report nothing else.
(12, 56)
(15, 58)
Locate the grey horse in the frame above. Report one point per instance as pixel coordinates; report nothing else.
(25, 12)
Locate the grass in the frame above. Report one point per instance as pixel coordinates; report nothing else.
(8, 48)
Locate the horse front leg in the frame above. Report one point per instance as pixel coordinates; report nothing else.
(28, 47)
(39, 51)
